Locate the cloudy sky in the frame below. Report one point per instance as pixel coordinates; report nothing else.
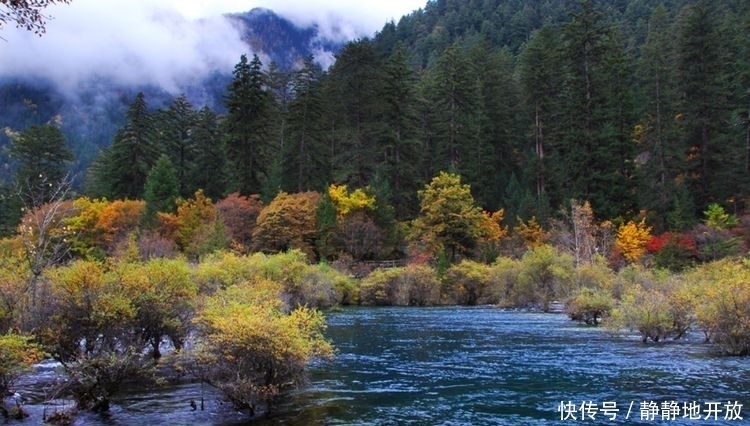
(167, 42)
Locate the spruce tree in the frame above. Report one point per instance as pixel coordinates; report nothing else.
(134, 151)
(703, 77)
(399, 143)
(161, 190)
(248, 125)
(42, 154)
(306, 166)
(541, 84)
(210, 159)
(658, 159)
(353, 87)
(176, 127)
(592, 160)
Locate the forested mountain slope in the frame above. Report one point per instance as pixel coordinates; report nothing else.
(635, 106)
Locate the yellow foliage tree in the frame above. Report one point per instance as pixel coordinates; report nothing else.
(531, 232)
(347, 202)
(288, 222)
(192, 216)
(251, 349)
(632, 238)
(17, 354)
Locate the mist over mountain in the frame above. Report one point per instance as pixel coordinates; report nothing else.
(90, 103)
(88, 91)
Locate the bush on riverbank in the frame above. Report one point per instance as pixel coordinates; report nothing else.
(412, 285)
(250, 349)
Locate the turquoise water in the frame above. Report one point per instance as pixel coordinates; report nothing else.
(474, 366)
(484, 366)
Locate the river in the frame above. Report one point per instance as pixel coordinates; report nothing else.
(479, 366)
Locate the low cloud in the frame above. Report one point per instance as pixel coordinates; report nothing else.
(168, 43)
(137, 42)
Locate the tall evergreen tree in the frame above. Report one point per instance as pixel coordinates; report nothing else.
(134, 151)
(41, 153)
(659, 161)
(209, 164)
(703, 108)
(176, 127)
(353, 85)
(399, 144)
(494, 156)
(42, 156)
(248, 125)
(161, 190)
(593, 158)
(541, 83)
(454, 103)
(306, 166)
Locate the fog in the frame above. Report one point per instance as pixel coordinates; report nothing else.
(168, 43)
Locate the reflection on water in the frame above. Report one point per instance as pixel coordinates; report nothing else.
(472, 366)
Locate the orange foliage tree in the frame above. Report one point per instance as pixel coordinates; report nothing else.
(632, 239)
(288, 222)
(98, 226)
(239, 213)
(194, 216)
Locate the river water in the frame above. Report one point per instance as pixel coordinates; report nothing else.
(479, 366)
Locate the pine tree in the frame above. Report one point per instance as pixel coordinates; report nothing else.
(453, 99)
(176, 126)
(248, 125)
(210, 159)
(592, 159)
(541, 86)
(494, 156)
(703, 77)
(353, 85)
(658, 159)
(161, 190)
(128, 161)
(399, 144)
(42, 154)
(306, 167)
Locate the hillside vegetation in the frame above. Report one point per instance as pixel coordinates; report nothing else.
(511, 153)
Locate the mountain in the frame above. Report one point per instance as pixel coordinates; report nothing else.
(91, 117)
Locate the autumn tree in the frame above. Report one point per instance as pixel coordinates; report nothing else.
(18, 353)
(347, 202)
(545, 275)
(191, 224)
(724, 294)
(89, 329)
(632, 238)
(239, 213)
(162, 293)
(288, 222)
(252, 350)
(448, 219)
(44, 235)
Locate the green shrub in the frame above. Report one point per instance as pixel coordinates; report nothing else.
(546, 275)
(412, 285)
(590, 306)
(471, 283)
